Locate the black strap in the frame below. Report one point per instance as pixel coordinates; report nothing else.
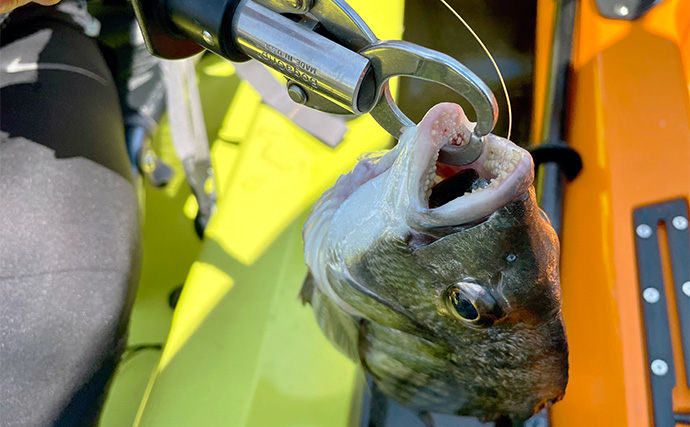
(567, 158)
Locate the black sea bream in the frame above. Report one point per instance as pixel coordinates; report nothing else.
(442, 281)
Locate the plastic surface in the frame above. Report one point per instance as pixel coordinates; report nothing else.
(629, 119)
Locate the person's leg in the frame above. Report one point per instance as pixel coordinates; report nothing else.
(69, 231)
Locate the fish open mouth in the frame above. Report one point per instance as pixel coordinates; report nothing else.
(456, 195)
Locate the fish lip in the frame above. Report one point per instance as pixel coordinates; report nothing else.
(468, 208)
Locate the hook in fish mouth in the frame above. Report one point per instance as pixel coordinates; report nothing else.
(455, 195)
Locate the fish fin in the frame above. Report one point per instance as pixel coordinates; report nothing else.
(339, 327)
(504, 421)
(363, 345)
(307, 291)
(427, 419)
(406, 367)
(514, 421)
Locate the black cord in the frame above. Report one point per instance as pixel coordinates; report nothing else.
(132, 350)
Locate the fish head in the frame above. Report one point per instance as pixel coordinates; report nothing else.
(490, 296)
(460, 259)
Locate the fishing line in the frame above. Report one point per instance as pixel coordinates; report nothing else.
(498, 71)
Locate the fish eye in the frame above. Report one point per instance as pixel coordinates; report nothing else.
(462, 305)
(473, 303)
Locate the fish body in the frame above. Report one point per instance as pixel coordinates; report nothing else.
(452, 308)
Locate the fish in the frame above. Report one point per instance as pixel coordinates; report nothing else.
(442, 281)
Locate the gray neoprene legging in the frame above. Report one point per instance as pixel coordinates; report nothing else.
(69, 232)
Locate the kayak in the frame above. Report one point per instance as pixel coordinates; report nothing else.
(240, 349)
